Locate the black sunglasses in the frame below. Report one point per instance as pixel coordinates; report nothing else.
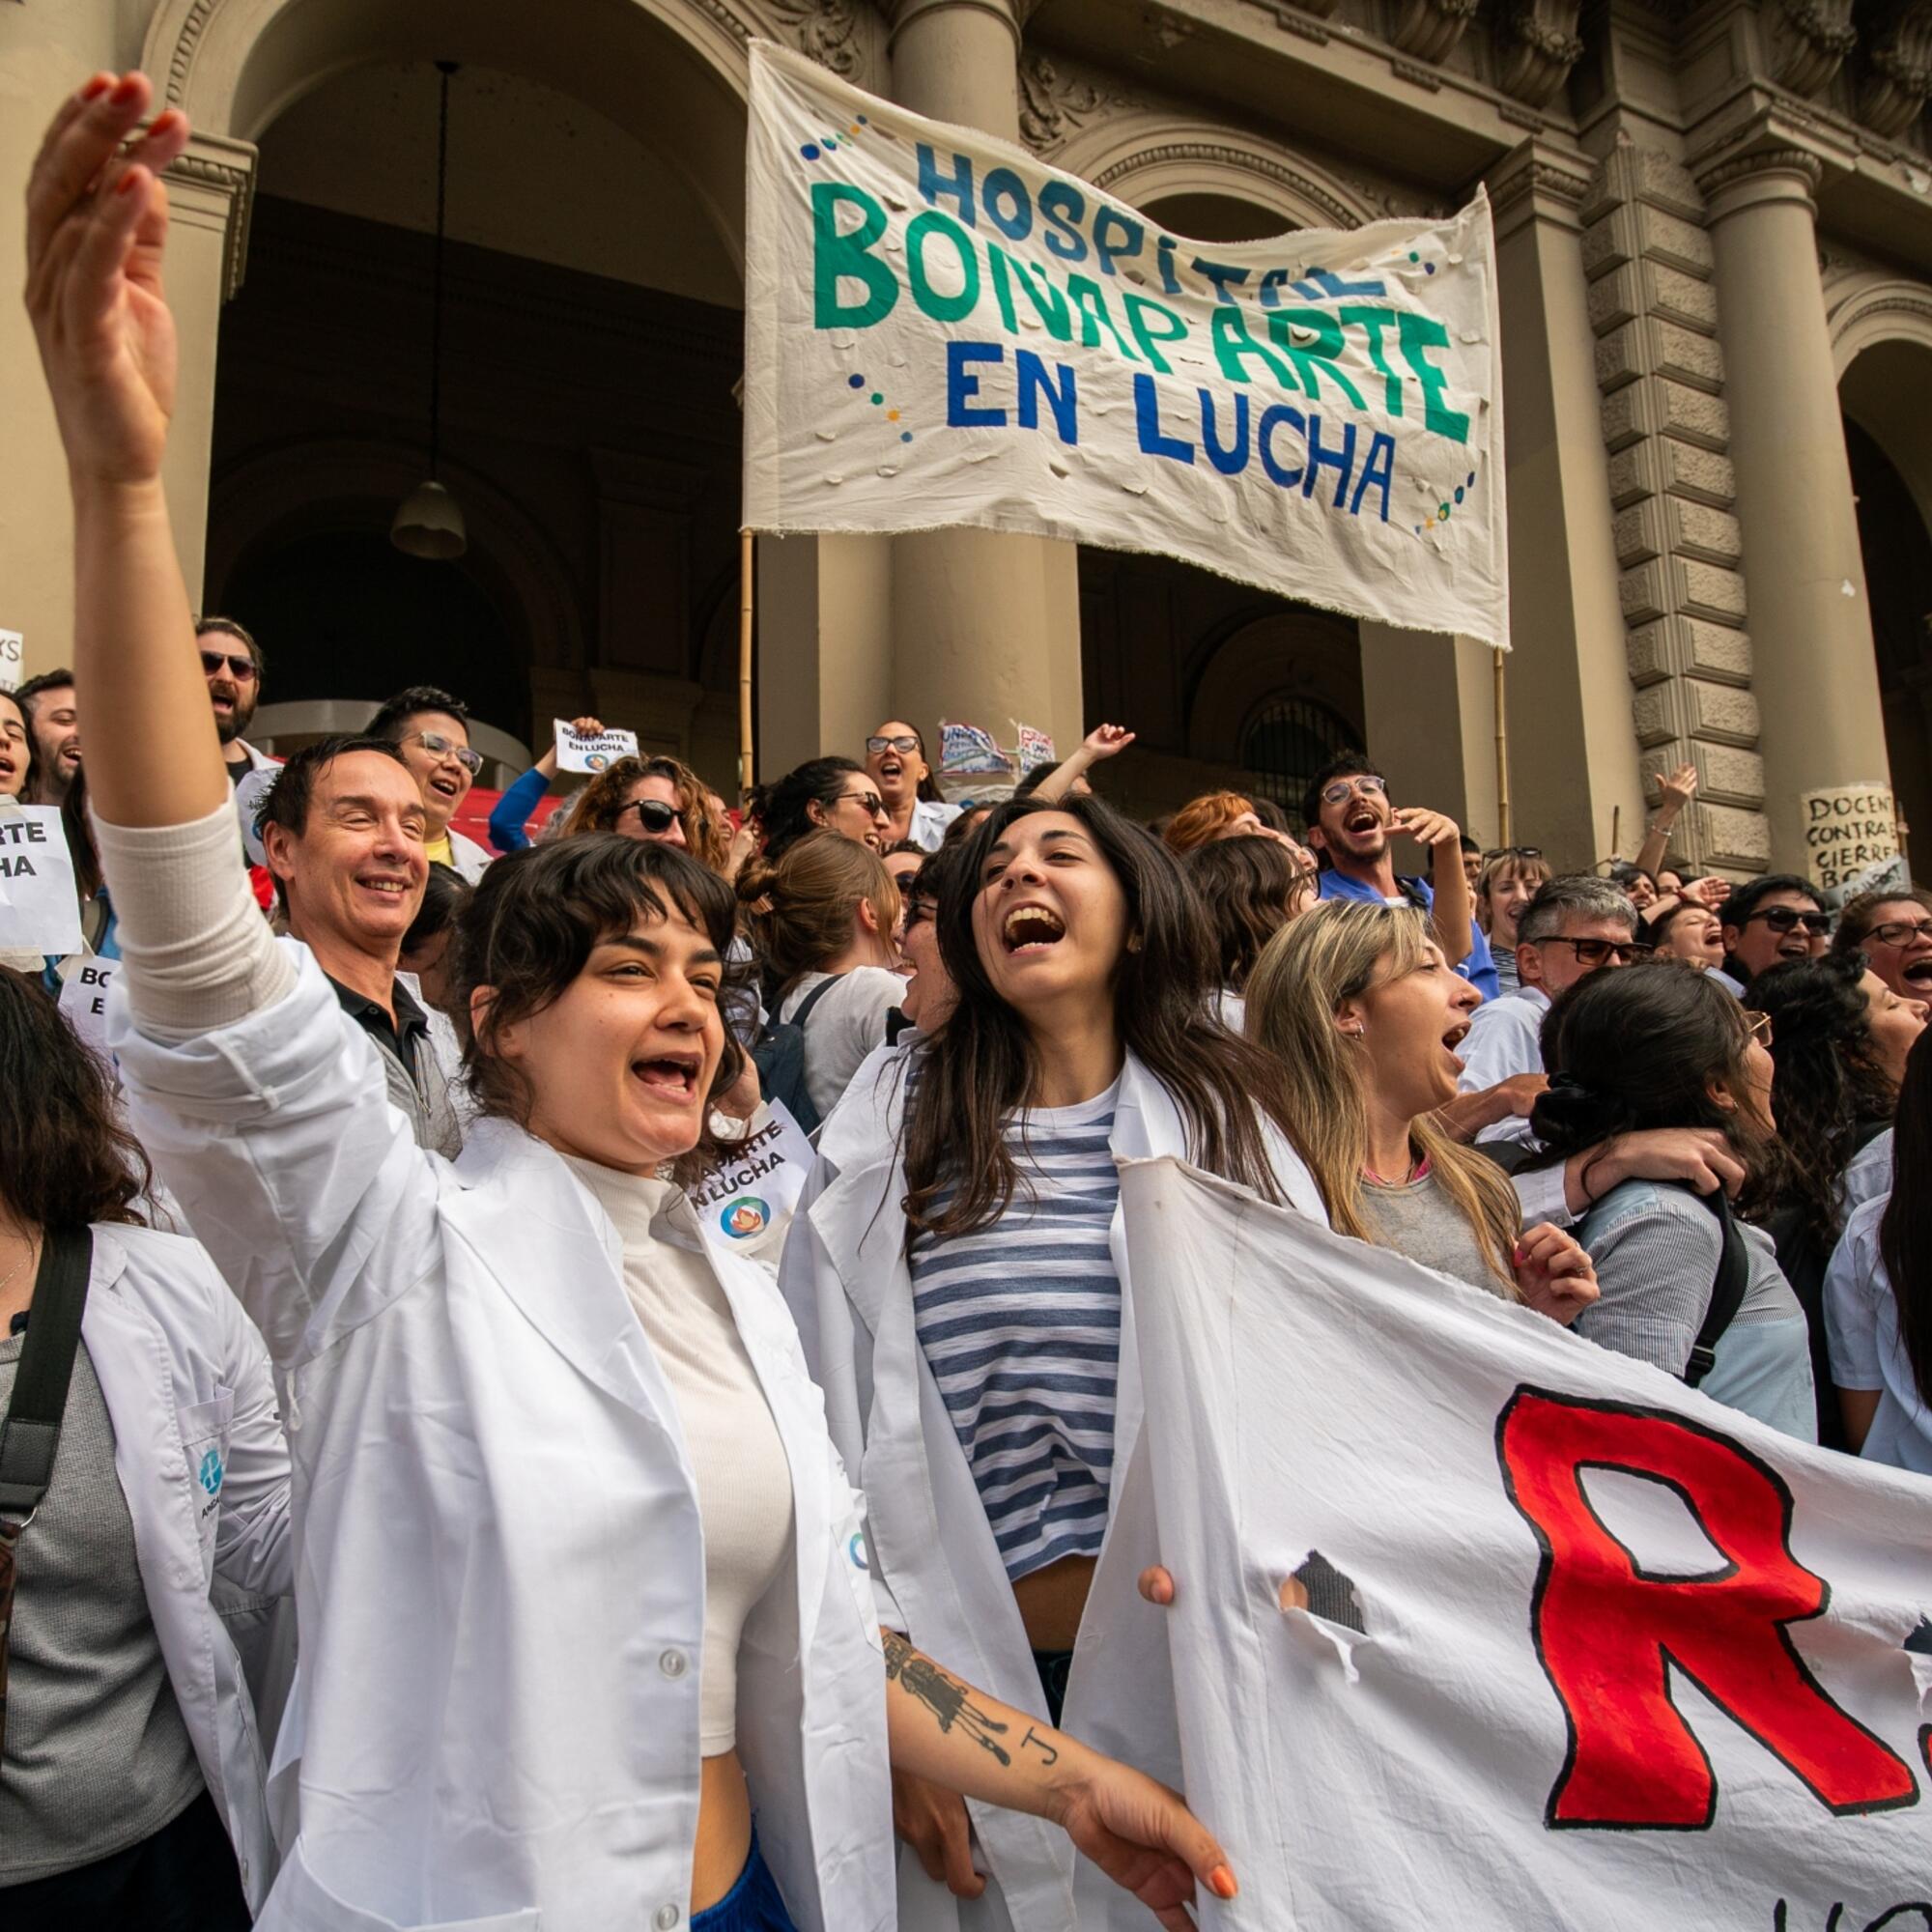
(241, 669)
(1512, 852)
(653, 814)
(1782, 918)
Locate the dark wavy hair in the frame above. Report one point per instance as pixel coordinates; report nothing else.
(1247, 889)
(782, 808)
(982, 1067)
(531, 924)
(1639, 1048)
(1905, 1229)
(69, 1161)
(1829, 1082)
(597, 806)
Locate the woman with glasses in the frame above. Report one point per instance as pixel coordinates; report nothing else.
(820, 795)
(432, 730)
(915, 812)
(1659, 1047)
(660, 800)
(1510, 878)
(1893, 930)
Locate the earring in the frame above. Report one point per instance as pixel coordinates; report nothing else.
(1134, 943)
(1357, 1031)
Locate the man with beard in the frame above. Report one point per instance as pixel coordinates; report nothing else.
(1351, 819)
(46, 702)
(231, 660)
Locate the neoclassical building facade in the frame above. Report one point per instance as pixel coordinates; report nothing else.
(1715, 241)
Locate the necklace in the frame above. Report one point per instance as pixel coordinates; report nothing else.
(5, 1279)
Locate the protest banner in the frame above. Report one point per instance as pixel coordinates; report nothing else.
(591, 750)
(12, 658)
(942, 330)
(747, 1199)
(38, 909)
(1848, 830)
(1569, 1643)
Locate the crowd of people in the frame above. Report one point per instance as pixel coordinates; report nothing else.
(449, 1526)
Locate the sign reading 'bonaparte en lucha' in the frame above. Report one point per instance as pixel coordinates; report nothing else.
(943, 331)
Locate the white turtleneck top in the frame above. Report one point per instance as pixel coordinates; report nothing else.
(744, 1481)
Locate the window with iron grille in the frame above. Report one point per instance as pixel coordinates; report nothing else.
(1287, 742)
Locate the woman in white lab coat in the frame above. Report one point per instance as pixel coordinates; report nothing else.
(581, 1581)
(958, 1270)
(132, 1760)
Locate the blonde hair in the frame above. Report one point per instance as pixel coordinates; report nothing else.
(1337, 952)
(596, 808)
(800, 909)
(1202, 820)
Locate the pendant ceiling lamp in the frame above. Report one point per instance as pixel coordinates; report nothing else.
(430, 521)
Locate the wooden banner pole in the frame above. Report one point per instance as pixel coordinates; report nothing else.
(1503, 828)
(747, 769)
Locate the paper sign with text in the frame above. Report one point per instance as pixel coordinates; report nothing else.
(1848, 830)
(747, 1199)
(12, 658)
(587, 752)
(83, 998)
(943, 331)
(1568, 1643)
(38, 911)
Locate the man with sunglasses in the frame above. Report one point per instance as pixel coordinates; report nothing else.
(1769, 922)
(1573, 927)
(1351, 820)
(231, 661)
(432, 730)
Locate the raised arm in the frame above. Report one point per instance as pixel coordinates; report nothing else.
(1104, 740)
(96, 230)
(1678, 790)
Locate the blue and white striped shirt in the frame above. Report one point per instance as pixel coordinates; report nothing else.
(1021, 1324)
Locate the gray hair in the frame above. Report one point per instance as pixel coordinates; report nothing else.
(1579, 895)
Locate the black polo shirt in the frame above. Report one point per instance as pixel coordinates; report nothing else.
(410, 1024)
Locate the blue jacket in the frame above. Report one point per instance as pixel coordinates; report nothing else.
(1478, 968)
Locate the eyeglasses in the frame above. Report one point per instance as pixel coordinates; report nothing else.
(653, 814)
(439, 747)
(1343, 788)
(241, 669)
(1513, 852)
(1782, 918)
(874, 746)
(867, 801)
(1901, 932)
(1757, 1026)
(1597, 951)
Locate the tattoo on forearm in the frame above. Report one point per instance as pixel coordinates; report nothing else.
(944, 1697)
(1041, 1745)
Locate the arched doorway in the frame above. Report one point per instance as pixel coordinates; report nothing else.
(1887, 394)
(591, 338)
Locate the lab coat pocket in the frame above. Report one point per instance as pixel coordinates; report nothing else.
(203, 1433)
(302, 1902)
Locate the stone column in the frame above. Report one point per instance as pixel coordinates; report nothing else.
(1816, 676)
(1573, 759)
(986, 627)
(1412, 683)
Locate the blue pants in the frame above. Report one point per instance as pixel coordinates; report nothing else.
(752, 1905)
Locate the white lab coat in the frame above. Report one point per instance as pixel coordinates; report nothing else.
(931, 816)
(500, 1580)
(936, 1570)
(205, 1470)
(472, 860)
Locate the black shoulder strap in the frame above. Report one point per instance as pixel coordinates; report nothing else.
(1727, 1290)
(30, 1434)
(803, 1011)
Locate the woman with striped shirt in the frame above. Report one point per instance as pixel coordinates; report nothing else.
(959, 1269)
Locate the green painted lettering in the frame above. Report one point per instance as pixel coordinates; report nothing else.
(837, 257)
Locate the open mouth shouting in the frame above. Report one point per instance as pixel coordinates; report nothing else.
(1917, 975)
(1031, 928)
(445, 786)
(892, 767)
(1362, 818)
(1454, 1039)
(10, 770)
(671, 1077)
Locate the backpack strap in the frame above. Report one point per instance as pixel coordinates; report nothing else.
(30, 1434)
(1727, 1290)
(803, 1011)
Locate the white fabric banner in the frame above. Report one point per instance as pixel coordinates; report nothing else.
(1582, 1647)
(941, 329)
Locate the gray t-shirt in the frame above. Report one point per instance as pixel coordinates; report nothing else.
(1420, 1219)
(98, 1754)
(1656, 1250)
